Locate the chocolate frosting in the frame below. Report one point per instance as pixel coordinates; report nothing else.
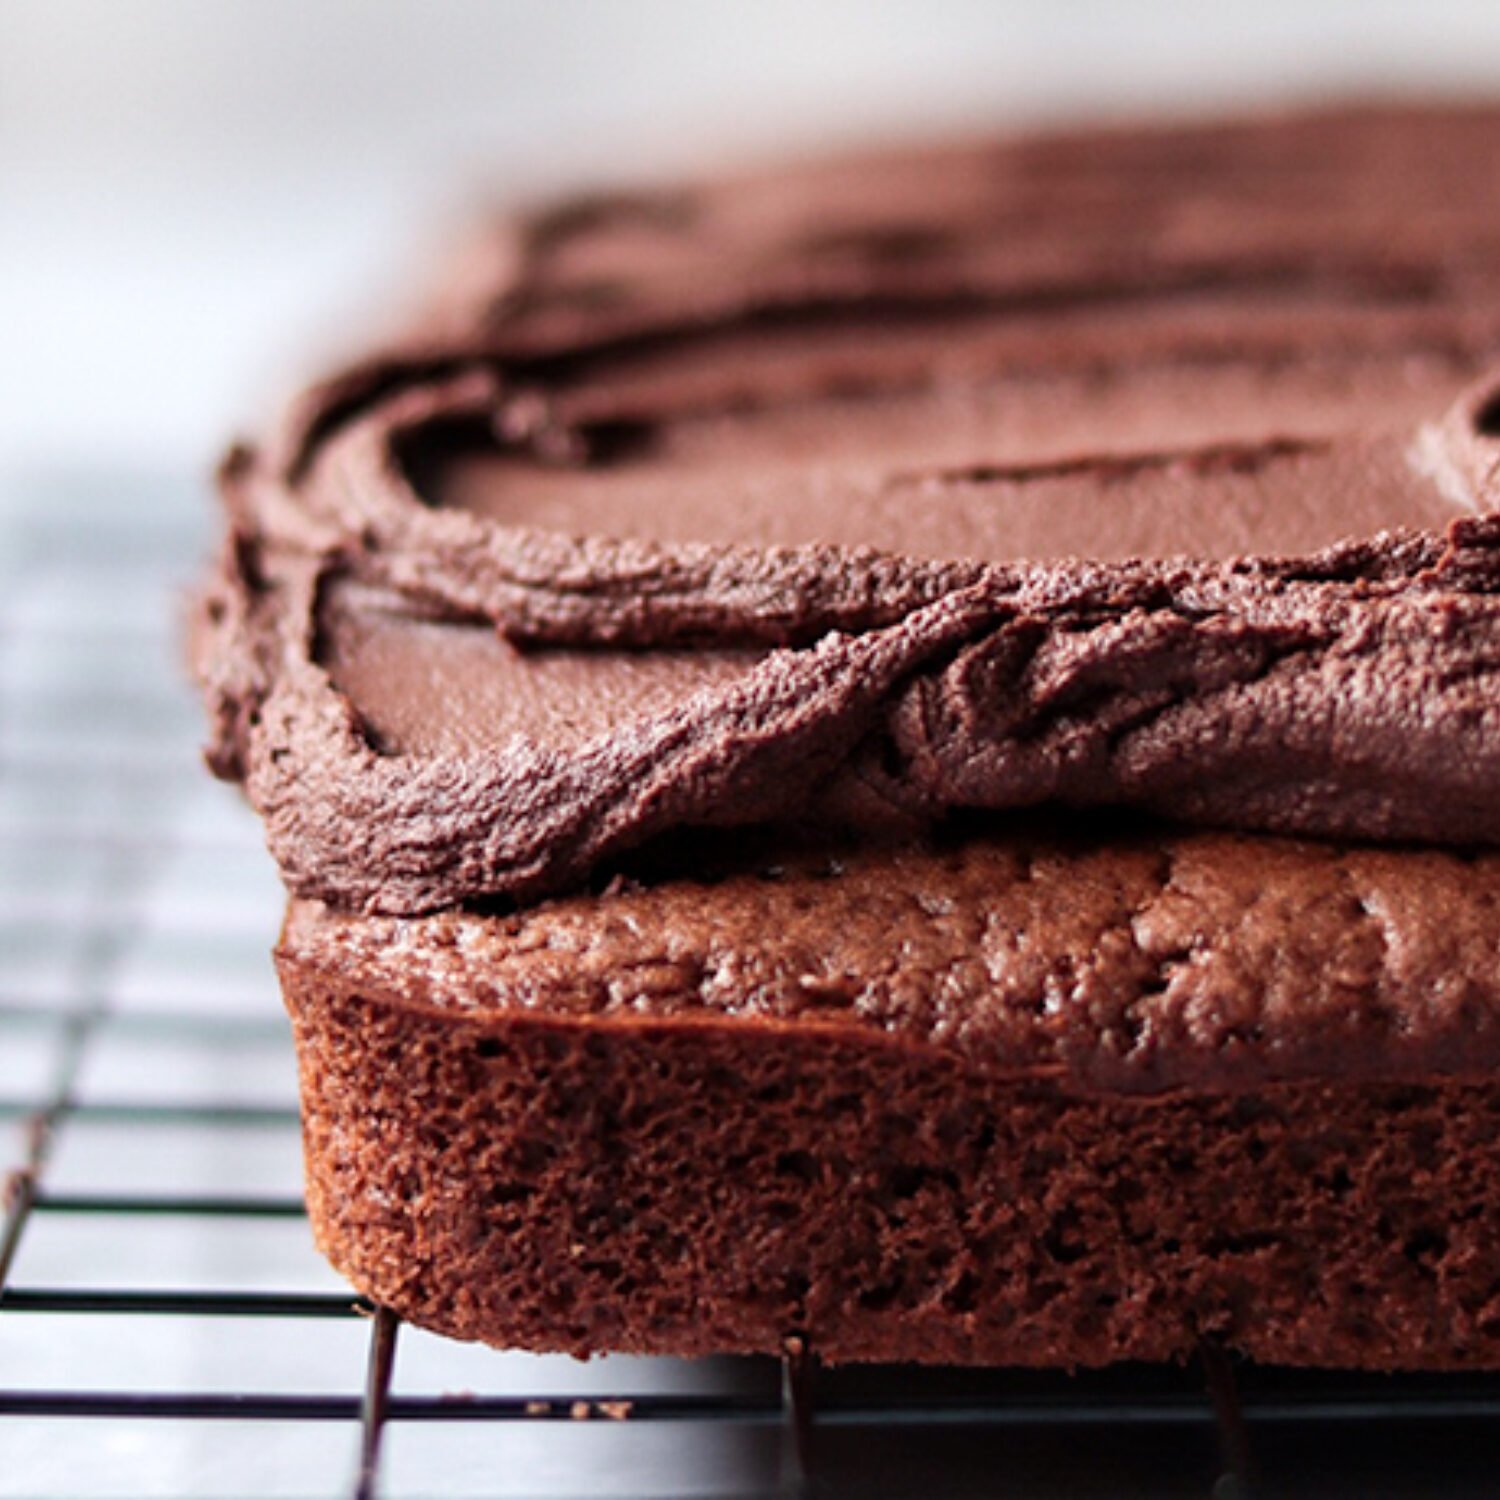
(1144, 468)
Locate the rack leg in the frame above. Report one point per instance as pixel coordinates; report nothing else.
(797, 1369)
(376, 1399)
(1236, 1482)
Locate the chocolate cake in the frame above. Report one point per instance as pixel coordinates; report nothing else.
(903, 753)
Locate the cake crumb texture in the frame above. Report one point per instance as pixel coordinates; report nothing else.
(1130, 960)
(674, 1188)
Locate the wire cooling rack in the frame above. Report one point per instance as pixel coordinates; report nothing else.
(166, 1327)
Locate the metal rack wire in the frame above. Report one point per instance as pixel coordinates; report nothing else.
(166, 1327)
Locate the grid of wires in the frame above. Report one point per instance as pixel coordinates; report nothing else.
(166, 1327)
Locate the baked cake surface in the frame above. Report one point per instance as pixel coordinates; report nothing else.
(715, 690)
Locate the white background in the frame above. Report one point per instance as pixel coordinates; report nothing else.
(195, 195)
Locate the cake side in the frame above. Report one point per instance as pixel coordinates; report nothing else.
(717, 1186)
(1016, 1101)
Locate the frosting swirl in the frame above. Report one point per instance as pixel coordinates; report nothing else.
(1156, 470)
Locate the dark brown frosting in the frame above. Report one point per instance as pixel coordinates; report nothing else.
(1143, 468)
